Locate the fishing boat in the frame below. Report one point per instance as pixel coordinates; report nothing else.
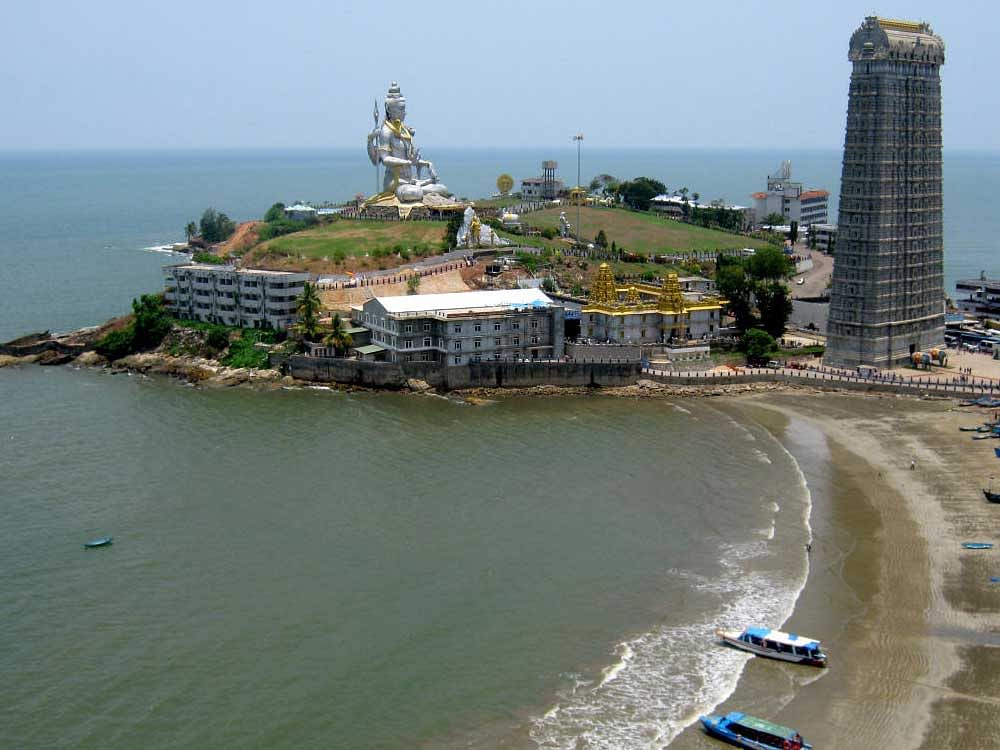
(743, 730)
(977, 545)
(991, 496)
(776, 645)
(103, 541)
(980, 428)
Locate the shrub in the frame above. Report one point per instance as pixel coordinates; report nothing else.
(218, 338)
(204, 257)
(549, 233)
(278, 228)
(275, 213)
(117, 344)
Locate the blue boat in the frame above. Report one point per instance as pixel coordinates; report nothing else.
(103, 541)
(743, 730)
(977, 545)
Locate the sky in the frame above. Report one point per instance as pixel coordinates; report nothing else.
(107, 74)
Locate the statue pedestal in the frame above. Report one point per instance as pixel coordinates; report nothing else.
(432, 201)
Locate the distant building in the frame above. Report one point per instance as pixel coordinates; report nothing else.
(463, 327)
(243, 297)
(823, 237)
(672, 206)
(545, 188)
(300, 212)
(786, 197)
(642, 313)
(979, 298)
(887, 292)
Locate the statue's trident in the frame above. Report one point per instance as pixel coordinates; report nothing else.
(378, 188)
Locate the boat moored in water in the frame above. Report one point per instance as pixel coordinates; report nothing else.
(748, 731)
(776, 645)
(103, 541)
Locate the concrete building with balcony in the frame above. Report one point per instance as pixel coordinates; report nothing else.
(547, 187)
(785, 197)
(887, 294)
(823, 237)
(463, 327)
(243, 297)
(979, 298)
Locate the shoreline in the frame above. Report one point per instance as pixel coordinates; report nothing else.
(889, 590)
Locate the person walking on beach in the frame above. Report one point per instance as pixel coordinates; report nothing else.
(913, 464)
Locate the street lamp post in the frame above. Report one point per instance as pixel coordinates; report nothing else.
(579, 198)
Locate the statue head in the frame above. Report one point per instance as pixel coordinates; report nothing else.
(395, 103)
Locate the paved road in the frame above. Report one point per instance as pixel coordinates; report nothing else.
(816, 278)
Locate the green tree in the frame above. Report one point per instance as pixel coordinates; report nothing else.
(413, 284)
(549, 284)
(774, 305)
(191, 230)
(696, 197)
(684, 193)
(774, 220)
(793, 232)
(601, 240)
(217, 338)
(639, 192)
(308, 305)
(150, 322)
(275, 213)
(455, 219)
(216, 226)
(735, 286)
(758, 345)
(338, 338)
(769, 263)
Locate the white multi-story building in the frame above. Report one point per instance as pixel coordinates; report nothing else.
(244, 297)
(463, 327)
(786, 197)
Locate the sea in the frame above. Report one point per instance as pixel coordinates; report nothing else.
(305, 568)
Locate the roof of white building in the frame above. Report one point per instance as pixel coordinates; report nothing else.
(300, 207)
(465, 300)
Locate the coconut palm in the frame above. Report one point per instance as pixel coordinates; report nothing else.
(308, 306)
(191, 230)
(338, 338)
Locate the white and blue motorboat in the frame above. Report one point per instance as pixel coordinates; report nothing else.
(743, 730)
(776, 645)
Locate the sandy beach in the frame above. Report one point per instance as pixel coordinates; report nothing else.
(909, 617)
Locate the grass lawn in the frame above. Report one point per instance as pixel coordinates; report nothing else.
(346, 238)
(641, 232)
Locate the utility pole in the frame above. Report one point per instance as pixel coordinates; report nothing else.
(579, 197)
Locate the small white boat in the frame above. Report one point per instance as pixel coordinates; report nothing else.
(776, 645)
(800, 281)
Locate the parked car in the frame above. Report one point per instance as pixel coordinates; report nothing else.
(774, 364)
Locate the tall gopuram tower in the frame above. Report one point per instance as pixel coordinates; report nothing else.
(887, 295)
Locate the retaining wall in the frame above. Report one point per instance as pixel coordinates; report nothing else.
(474, 375)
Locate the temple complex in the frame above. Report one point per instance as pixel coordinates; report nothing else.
(645, 313)
(887, 293)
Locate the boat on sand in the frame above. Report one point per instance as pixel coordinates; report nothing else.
(743, 730)
(776, 645)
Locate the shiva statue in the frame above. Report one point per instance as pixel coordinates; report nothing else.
(391, 144)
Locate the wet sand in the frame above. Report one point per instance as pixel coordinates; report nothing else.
(910, 618)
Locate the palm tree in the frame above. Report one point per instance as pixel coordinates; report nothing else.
(191, 230)
(338, 338)
(308, 305)
(695, 197)
(684, 193)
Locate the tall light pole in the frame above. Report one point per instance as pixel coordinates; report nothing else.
(579, 187)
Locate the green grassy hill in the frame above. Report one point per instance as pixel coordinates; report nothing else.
(345, 238)
(641, 232)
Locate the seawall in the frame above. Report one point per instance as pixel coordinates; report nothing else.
(455, 377)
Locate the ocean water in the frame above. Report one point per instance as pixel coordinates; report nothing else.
(305, 568)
